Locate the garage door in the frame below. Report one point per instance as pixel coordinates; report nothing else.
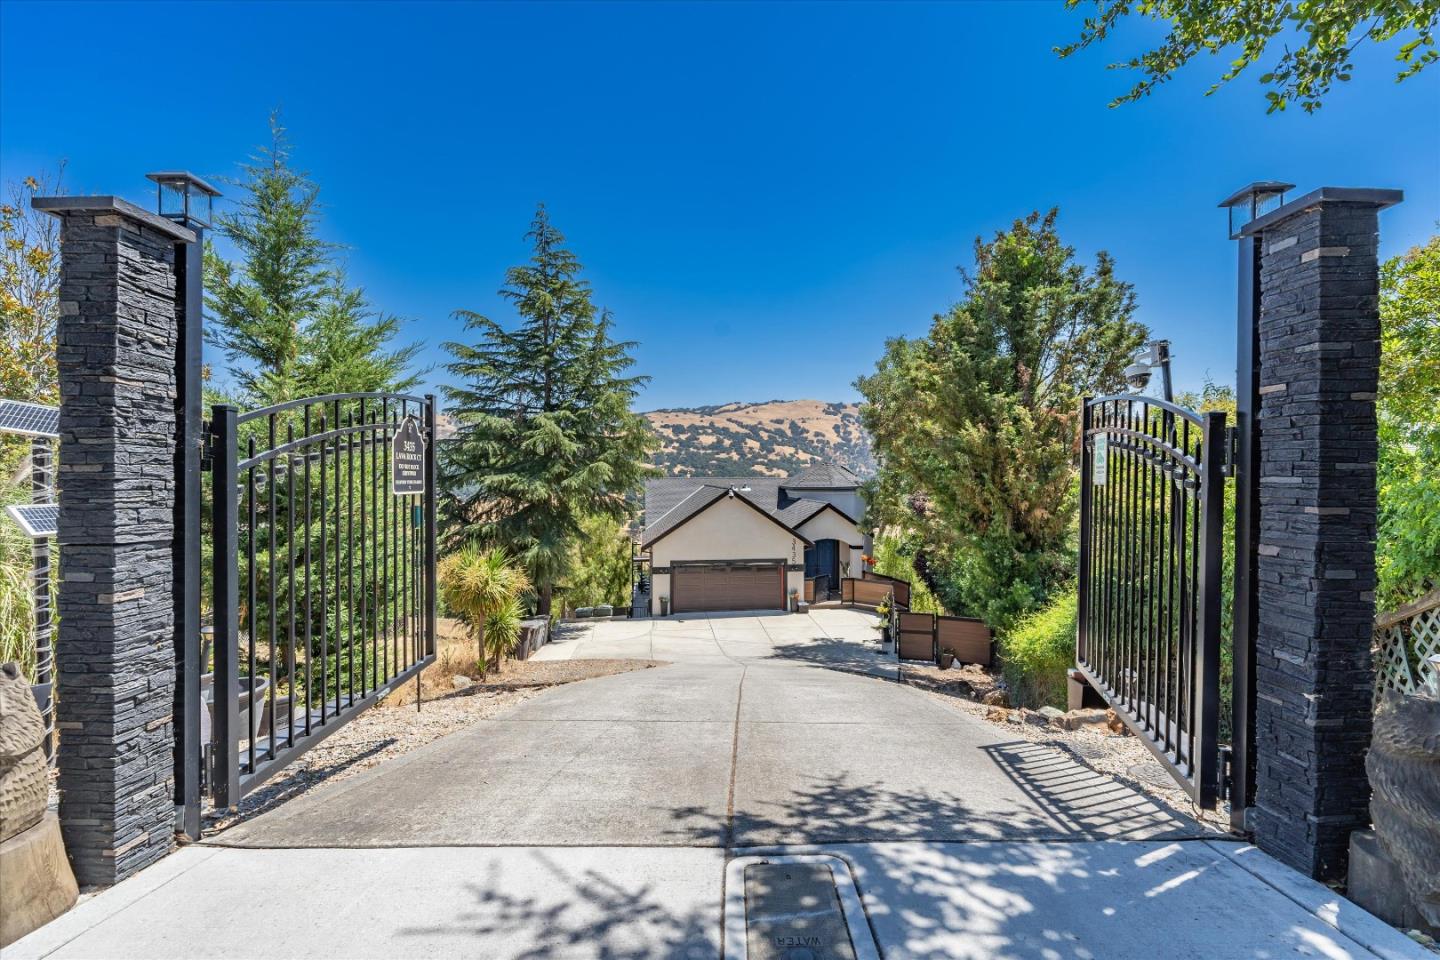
(727, 588)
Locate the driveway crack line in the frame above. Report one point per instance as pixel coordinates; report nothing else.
(734, 763)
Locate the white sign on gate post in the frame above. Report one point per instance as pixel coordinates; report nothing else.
(1102, 458)
(407, 460)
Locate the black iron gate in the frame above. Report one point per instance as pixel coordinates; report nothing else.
(1151, 528)
(323, 531)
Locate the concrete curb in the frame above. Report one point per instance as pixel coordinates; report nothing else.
(1325, 904)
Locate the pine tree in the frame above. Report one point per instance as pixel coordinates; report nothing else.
(347, 348)
(291, 326)
(284, 316)
(546, 436)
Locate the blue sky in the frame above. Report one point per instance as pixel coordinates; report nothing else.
(761, 193)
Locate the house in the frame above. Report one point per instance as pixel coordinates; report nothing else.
(745, 543)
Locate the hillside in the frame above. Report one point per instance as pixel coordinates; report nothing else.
(770, 439)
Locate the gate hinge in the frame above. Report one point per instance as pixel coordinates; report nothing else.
(1232, 451)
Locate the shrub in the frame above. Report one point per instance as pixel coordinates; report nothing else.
(17, 613)
(483, 590)
(1039, 650)
(894, 557)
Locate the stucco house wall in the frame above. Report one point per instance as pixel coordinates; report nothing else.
(727, 530)
(828, 525)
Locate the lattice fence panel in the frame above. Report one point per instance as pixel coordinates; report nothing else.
(1404, 640)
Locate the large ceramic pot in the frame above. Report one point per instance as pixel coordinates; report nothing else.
(24, 786)
(1404, 769)
(251, 689)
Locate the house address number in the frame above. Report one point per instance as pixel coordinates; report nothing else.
(407, 459)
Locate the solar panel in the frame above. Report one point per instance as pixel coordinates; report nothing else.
(36, 519)
(29, 419)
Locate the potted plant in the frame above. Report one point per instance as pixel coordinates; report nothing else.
(664, 606)
(947, 657)
(794, 599)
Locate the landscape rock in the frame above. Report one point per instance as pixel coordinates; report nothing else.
(460, 682)
(997, 715)
(1035, 717)
(1051, 715)
(961, 688)
(1076, 719)
(1115, 724)
(996, 698)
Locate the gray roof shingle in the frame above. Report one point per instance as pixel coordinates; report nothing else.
(823, 475)
(670, 501)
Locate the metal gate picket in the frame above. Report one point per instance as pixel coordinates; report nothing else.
(324, 572)
(1151, 526)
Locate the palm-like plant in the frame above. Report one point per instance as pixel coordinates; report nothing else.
(482, 588)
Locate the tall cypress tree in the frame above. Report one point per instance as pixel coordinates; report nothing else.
(545, 431)
(283, 314)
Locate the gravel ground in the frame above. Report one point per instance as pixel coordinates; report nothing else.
(1121, 756)
(394, 728)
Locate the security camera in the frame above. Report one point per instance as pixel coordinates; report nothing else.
(1138, 375)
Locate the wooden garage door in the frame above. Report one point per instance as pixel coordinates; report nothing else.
(727, 588)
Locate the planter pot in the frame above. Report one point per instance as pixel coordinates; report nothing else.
(664, 606)
(946, 659)
(269, 715)
(249, 719)
(1403, 765)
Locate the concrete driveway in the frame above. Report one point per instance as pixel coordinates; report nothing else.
(762, 730)
(595, 820)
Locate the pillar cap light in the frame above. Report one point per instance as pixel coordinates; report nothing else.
(1252, 201)
(183, 197)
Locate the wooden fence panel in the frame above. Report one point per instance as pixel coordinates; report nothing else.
(901, 587)
(917, 636)
(966, 637)
(870, 593)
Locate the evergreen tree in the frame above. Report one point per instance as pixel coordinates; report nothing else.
(347, 348)
(546, 436)
(974, 426)
(291, 326)
(283, 315)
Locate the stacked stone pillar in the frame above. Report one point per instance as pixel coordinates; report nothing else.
(118, 329)
(1319, 369)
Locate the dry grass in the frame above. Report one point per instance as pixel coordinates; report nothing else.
(456, 656)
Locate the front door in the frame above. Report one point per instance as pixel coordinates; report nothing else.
(823, 560)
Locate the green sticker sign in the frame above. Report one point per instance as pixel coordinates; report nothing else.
(1102, 458)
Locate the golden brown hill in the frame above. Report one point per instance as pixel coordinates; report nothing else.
(775, 439)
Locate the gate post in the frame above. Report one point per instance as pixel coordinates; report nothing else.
(116, 348)
(1319, 334)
